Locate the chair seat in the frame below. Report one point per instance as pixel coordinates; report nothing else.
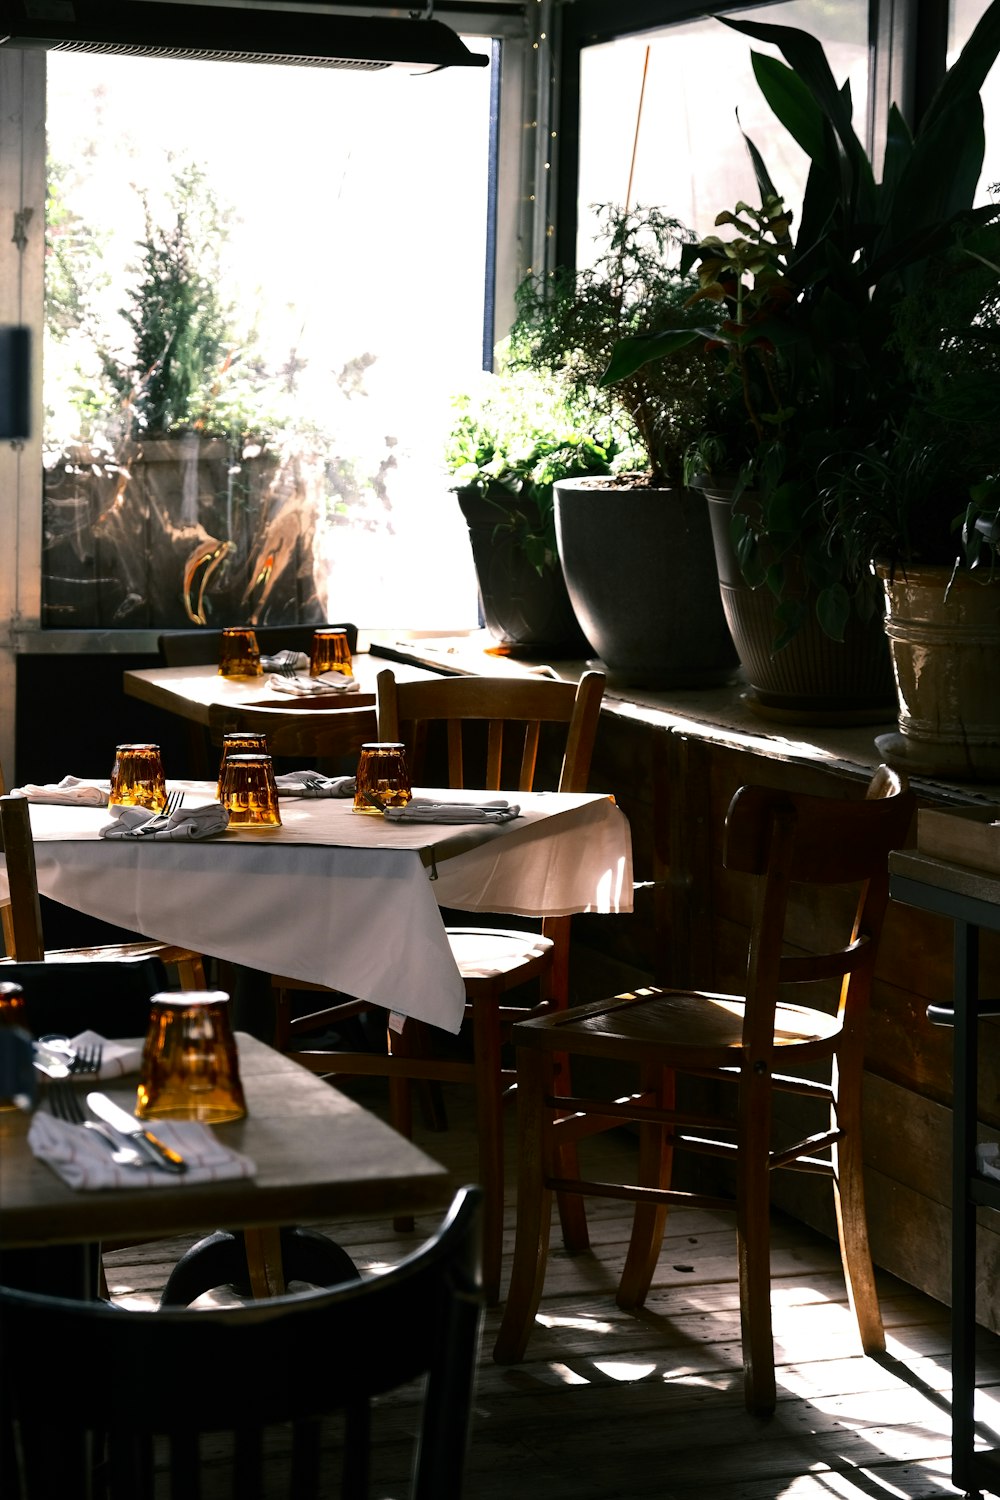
(698, 1029)
(493, 952)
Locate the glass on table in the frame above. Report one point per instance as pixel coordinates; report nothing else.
(248, 792)
(383, 777)
(137, 778)
(240, 742)
(330, 653)
(190, 1069)
(240, 654)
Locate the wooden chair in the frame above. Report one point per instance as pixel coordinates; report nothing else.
(316, 734)
(71, 1391)
(27, 940)
(198, 648)
(512, 717)
(749, 1043)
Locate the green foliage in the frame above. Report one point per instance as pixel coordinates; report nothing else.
(828, 340)
(73, 250)
(568, 325)
(514, 436)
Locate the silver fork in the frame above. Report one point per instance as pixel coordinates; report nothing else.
(64, 1103)
(87, 1059)
(175, 801)
(314, 783)
(287, 669)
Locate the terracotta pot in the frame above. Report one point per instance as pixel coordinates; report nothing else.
(945, 644)
(813, 679)
(640, 572)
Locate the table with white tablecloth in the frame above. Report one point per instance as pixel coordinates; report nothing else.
(338, 898)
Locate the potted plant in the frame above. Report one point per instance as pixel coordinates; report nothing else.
(635, 546)
(808, 373)
(511, 439)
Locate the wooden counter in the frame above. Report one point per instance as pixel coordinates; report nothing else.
(673, 760)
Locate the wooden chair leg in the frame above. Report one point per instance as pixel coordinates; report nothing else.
(572, 1208)
(535, 1162)
(852, 1220)
(649, 1220)
(753, 1248)
(489, 1128)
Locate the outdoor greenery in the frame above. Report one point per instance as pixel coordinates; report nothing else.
(568, 323)
(829, 335)
(514, 436)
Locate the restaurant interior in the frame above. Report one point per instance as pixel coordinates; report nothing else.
(841, 1343)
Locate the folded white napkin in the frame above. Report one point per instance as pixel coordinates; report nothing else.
(70, 791)
(297, 659)
(305, 687)
(117, 1058)
(83, 1161)
(296, 784)
(186, 823)
(423, 810)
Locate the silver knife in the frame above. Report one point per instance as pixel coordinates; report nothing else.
(160, 1154)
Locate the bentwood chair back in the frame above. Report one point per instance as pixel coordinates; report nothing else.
(241, 1399)
(27, 940)
(749, 1044)
(512, 724)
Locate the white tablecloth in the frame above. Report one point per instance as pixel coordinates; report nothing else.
(339, 898)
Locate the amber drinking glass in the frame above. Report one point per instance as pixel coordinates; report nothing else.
(383, 778)
(137, 778)
(330, 653)
(240, 742)
(190, 1070)
(248, 792)
(240, 653)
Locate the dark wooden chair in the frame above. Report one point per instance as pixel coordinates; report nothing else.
(508, 721)
(87, 1381)
(26, 936)
(316, 734)
(199, 648)
(749, 1044)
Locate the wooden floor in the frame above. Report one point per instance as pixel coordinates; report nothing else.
(616, 1406)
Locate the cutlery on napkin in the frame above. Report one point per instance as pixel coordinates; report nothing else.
(71, 791)
(423, 810)
(117, 1058)
(297, 660)
(329, 682)
(83, 1160)
(186, 823)
(314, 784)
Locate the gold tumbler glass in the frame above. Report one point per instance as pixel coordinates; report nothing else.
(190, 1070)
(383, 778)
(330, 653)
(240, 742)
(137, 778)
(249, 794)
(240, 653)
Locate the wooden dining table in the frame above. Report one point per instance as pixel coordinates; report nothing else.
(318, 1155)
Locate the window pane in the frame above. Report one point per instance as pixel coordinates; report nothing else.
(334, 230)
(962, 22)
(690, 158)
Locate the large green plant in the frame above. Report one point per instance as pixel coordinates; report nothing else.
(568, 324)
(809, 370)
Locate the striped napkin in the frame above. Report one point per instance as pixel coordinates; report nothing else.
(185, 823)
(70, 792)
(314, 784)
(423, 810)
(83, 1159)
(306, 687)
(117, 1058)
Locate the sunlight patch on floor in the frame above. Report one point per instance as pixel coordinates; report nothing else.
(587, 1325)
(624, 1370)
(568, 1376)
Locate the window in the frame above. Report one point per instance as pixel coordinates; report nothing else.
(336, 223)
(964, 14)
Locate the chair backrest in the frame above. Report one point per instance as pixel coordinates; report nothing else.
(72, 1368)
(493, 726)
(199, 648)
(323, 733)
(788, 839)
(23, 936)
